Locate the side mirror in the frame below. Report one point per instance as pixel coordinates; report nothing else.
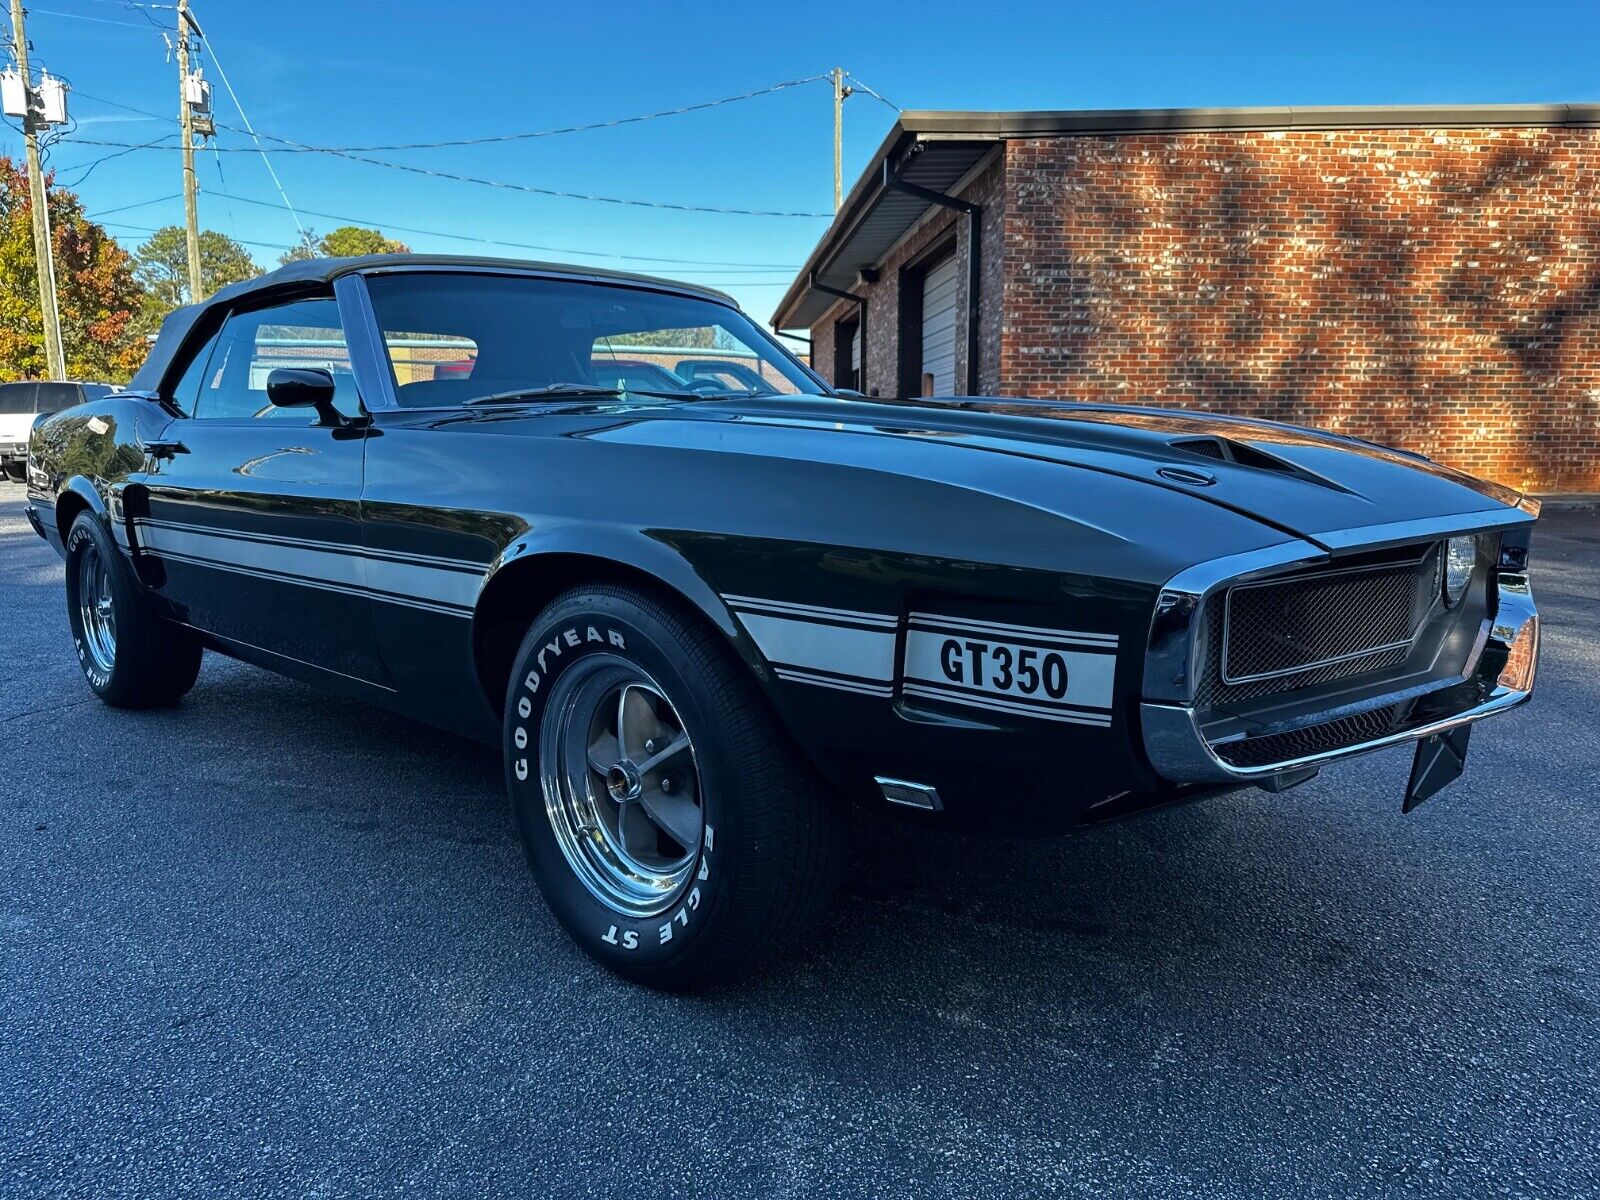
(304, 387)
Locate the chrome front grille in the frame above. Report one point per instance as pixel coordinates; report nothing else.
(1352, 689)
(1317, 627)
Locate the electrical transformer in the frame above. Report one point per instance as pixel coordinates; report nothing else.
(13, 93)
(52, 99)
(197, 95)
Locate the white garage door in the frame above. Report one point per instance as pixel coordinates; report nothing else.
(939, 328)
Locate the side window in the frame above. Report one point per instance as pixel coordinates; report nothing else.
(53, 397)
(251, 345)
(16, 399)
(187, 390)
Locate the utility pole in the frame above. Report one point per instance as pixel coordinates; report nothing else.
(840, 92)
(191, 210)
(43, 253)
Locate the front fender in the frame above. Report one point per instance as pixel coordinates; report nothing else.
(636, 550)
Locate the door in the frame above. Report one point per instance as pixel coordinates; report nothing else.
(847, 353)
(252, 511)
(938, 375)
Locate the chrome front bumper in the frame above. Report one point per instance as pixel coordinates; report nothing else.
(1499, 677)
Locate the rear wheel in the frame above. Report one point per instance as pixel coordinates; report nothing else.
(674, 830)
(129, 656)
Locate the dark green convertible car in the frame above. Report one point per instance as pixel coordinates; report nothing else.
(700, 601)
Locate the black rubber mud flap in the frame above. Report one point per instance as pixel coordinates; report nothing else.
(1439, 762)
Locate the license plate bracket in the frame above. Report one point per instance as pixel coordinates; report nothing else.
(1439, 762)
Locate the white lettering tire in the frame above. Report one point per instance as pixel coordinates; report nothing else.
(130, 657)
(674, 829)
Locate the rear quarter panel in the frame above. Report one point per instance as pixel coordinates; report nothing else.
(83, 457)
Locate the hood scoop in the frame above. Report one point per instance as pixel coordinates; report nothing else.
(1242, 454)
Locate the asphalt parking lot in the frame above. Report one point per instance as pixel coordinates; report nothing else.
(274, 944)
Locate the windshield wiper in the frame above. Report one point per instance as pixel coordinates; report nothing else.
(556, 391)
(578, 391)
(736, 394)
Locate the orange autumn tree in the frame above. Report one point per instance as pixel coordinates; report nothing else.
(95, 289)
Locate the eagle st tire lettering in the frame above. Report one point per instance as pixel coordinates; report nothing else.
(627, 936)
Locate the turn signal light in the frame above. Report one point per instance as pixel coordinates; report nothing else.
(1523, 658)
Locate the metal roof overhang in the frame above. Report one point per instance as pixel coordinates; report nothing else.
(874, 218)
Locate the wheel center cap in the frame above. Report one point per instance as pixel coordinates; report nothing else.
(623, 782)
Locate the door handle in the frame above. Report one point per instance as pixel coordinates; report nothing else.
(159, 449)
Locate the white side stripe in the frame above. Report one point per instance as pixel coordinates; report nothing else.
(881, 690)
(329, 567)
(853, 616)
(865, 653)
(968, 700)
(319, 585)
(277, 539)
(1034, 632)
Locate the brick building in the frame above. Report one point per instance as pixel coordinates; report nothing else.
(1424, 277)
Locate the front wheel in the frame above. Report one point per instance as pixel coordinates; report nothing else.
(129, 656)
(673, 828)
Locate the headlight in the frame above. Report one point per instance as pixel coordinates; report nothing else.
(1461, 556)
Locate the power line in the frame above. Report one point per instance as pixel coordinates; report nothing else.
(483, 241)
(374, 223)
(306, 148)
(504, 185)
(145, 229)
(143, 112)
(234, 96)
(856, 80)
(752, 283)
(358, 153)
(106, 212)
(291, 146)
(233, 220)
(88, 167)
(51, 12)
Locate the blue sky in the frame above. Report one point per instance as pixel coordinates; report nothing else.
(343, 74)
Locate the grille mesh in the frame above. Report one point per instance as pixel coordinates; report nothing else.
(1332, 735)
(1280, 635)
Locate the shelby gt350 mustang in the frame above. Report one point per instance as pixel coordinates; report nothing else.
(698, 598)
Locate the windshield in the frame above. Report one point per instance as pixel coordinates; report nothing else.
(455, 339)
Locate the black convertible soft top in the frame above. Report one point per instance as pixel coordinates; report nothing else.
(325, 270)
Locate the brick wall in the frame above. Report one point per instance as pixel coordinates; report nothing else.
(1433, 290)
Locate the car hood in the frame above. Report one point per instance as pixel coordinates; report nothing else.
(1307, 483)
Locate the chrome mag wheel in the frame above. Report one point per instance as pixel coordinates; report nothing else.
(96, 612)
(621, 785)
